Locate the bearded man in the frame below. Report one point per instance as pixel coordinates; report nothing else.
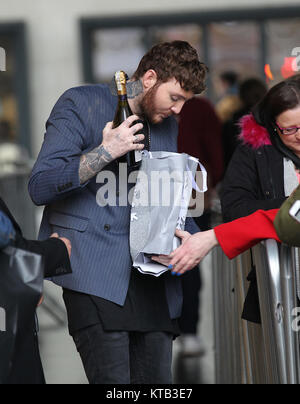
(123, 323)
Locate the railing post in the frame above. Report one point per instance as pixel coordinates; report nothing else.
(250, 353)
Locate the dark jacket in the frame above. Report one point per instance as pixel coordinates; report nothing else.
(254, 180)
(27, 366)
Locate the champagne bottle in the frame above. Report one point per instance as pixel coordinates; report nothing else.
(133, 157)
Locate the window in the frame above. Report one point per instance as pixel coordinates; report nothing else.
(282, 38)
(9, 119)
(116, 49)
(234, 46)
(253, 43)
(14, 110)
(191, 33)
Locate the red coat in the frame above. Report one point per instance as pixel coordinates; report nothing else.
(241, 234)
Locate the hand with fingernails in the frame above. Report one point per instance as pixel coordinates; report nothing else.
(191, 252)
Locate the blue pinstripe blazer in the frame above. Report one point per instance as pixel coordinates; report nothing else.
(101, 261)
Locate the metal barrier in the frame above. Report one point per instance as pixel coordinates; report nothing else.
(248, 353)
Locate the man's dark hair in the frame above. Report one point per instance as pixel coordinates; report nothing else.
(176, 59)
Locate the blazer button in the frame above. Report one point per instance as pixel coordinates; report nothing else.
(107, 227)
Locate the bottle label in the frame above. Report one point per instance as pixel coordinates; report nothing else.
(120, 79)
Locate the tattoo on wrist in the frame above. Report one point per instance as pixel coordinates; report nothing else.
(92, 163)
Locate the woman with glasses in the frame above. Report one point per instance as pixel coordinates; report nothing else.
(261, 174)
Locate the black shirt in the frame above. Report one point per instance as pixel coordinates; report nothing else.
(145, 308)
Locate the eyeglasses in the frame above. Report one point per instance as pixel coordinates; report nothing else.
(288, 131)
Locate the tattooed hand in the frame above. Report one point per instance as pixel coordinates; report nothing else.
(116, 142)
(122, 139)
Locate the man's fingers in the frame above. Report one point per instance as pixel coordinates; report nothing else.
(138, 146)
(129, 121)
(138, 138)
(136, 128)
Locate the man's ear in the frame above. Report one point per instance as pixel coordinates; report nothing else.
(149, 79)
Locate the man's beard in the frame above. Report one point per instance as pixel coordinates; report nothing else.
(147, 105)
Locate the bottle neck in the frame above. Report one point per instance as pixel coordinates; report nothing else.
(122, 97)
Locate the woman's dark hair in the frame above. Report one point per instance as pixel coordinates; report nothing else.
(175, 59)
(280, 98)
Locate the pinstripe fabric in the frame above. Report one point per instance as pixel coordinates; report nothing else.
(100, 259)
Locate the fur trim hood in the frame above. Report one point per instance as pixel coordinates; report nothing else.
(253, 134)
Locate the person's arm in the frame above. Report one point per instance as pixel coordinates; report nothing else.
(56, 252)
(64, 164)
(234, 238)
(241, 234)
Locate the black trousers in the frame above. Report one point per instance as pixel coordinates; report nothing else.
(121, 357)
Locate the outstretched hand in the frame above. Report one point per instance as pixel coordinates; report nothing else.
(166, 259)
(193, 249)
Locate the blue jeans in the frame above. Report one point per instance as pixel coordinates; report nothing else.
(125, 357)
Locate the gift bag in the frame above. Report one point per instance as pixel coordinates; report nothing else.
(21, 286)
(159, 205)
